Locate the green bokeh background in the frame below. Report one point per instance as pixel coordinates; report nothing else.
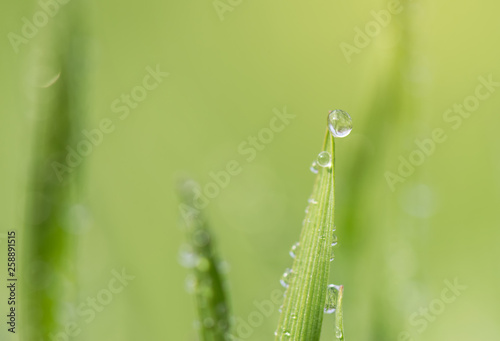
(226, 77)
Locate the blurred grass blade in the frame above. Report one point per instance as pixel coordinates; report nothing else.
(49, 264)
(206, 281)
(303, 308)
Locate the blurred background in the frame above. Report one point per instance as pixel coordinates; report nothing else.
(160, 90)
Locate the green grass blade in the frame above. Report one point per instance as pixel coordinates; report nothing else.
(339, 316)
(303, 309)
(48, 267)
(207, 281)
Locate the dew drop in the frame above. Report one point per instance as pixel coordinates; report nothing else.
(338, 333)
(187, 257)
(208, 322)
(332, 293)
(314, 167)
(312, 201)
(324, 159)
(294, 250)
(334, 240)
(201, 238)
(190, 284)
(196, 324)
(332, 256)
(285, 279)
(203, 264)
(339, 123)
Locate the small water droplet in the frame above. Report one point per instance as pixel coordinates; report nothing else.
(224, 267)
(312, 201)
(190, 284)
(285, 279)
(324, 159)
(339, 123)
(196, 324)
(338, 332)
(201, 238)
(294, 316)
(294, 250)
(332, 256)
(314, 167)
(287, 334)
(332, 293)
(334, 240)
(208, 322)
(222, 325)
(187, 257)
(203, 264)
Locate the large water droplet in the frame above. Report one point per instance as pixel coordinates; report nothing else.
(294, 250)
(332, 292)
(314, 167)
(339, 123)
(285, 279)
(324, 159)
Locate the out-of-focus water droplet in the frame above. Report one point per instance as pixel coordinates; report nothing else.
(190, 284)
(294, 250)
(196, 324)
(287, 334)
(208, 322)
(314, 167)
(203, 264)
(201, 238)
(285, 279)
(334, 240)
(187, 257)
(294, 316)
(339, 123)
(222, 325)
(224, 267)
(324, 159)
(332, 293)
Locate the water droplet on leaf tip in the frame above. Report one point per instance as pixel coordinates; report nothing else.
(331, 298)
(339, 123)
